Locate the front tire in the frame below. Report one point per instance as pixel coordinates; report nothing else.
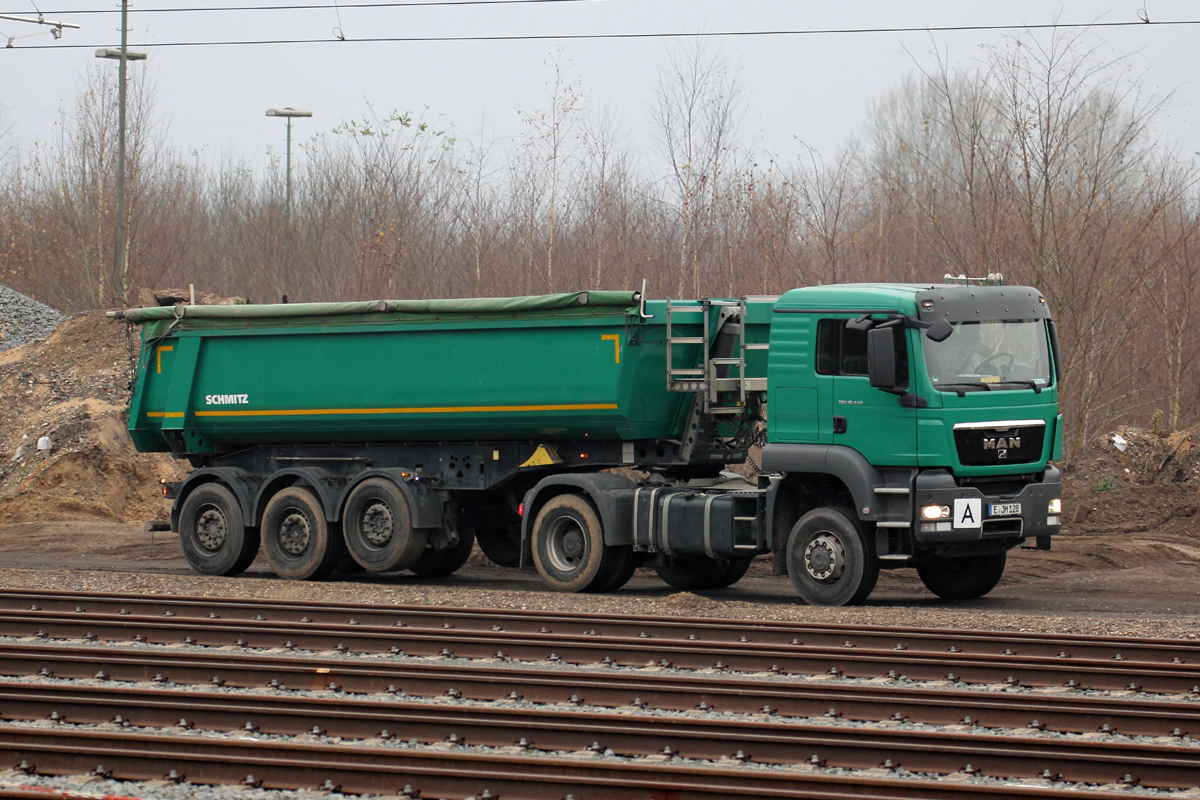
(568, 547)
(378, 527)
(831, 559)
(299, 541)
(212, 532)
(962, 578)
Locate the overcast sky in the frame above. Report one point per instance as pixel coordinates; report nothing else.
(798, 88)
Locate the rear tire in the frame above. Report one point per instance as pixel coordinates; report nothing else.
(691, 573)
(212, 533)
(962, 578)
(735, 570)
(436, 563)
(696, 573)
(298, 540)
(831, 560)
(568, 546)
(378, 527)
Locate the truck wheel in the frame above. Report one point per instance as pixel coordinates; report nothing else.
(690, 573)
(501, 548)
(831, 560)
(298, 540)
(622, 571)
(568, 546)
(346, 564)
(213, 537)
(436, 563)
(378, 527)
(735, 570)
(962, 578)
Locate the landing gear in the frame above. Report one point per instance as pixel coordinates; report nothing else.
(437, 563)
(962, 578)
(831, 559)
(213, 536)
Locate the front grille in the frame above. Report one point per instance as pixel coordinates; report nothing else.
(987, 446)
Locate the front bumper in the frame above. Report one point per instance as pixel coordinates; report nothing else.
(937, 487)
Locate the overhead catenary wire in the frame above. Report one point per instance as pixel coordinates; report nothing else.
(325, 6)
(651, 35)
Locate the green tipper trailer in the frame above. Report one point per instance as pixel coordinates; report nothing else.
(907, 426)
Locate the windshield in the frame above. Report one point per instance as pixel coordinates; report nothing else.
(995, 354)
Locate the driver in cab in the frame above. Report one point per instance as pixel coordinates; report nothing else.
(964, 352)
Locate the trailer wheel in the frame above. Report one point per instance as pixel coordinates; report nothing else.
(962, 578)
(378, 527)
(298, 540)
(568, 546)
(436, 563)
(831, 560)
(212, 534)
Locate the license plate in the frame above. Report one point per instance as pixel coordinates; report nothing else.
(1004, 510)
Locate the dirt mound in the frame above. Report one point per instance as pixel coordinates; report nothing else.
(73, 388)
(1135, 456)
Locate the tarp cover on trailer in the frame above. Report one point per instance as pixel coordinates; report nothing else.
(472, 305)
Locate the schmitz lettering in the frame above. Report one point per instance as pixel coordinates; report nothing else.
(226, 399)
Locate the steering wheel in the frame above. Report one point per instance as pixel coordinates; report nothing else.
(992, 358)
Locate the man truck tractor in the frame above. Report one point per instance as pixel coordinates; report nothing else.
(906, 426)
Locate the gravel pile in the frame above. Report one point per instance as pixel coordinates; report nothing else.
(23, 319)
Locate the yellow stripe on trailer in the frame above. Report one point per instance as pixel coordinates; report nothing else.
(304, 412)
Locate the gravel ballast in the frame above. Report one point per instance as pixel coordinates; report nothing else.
(23, 319)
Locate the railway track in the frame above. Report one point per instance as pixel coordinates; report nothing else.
(1069, 713)
(688, 629)
(914, 653)
(698, 737)
(732, 718)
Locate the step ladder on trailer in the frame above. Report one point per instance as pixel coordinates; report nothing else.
(703, 379)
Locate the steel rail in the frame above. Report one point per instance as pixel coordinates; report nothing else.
(701, 737)
(451, 773)
(627, 651)
(586, 624)
(616, 689)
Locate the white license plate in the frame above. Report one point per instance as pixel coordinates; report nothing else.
(1004, 510)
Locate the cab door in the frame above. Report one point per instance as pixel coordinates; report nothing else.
(865, 418)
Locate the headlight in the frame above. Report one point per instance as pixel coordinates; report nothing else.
(1055, 506)
(935, 512)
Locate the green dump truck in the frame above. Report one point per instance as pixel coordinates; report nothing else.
(906, 426)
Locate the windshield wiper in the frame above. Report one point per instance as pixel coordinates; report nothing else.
(1037, 387)
(961, 388)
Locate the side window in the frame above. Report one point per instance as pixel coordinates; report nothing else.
(854, 351)
(843, 351)
(901, 340)
(827, 346)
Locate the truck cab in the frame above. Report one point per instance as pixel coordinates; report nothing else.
(910, 426)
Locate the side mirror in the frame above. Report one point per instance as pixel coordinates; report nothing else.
(881, 357)
(939, 330)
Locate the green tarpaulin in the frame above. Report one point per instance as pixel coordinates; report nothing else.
(473, 305)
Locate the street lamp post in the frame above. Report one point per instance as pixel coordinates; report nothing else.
(289, 113)
(124, 55)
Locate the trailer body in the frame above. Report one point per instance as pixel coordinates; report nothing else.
(393, 434)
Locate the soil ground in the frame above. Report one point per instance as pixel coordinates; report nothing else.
(1127, 561)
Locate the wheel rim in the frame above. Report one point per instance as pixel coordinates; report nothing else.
(825, 558)
(294, 532)
(565, 544)
(377, 524)
(211, 528)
